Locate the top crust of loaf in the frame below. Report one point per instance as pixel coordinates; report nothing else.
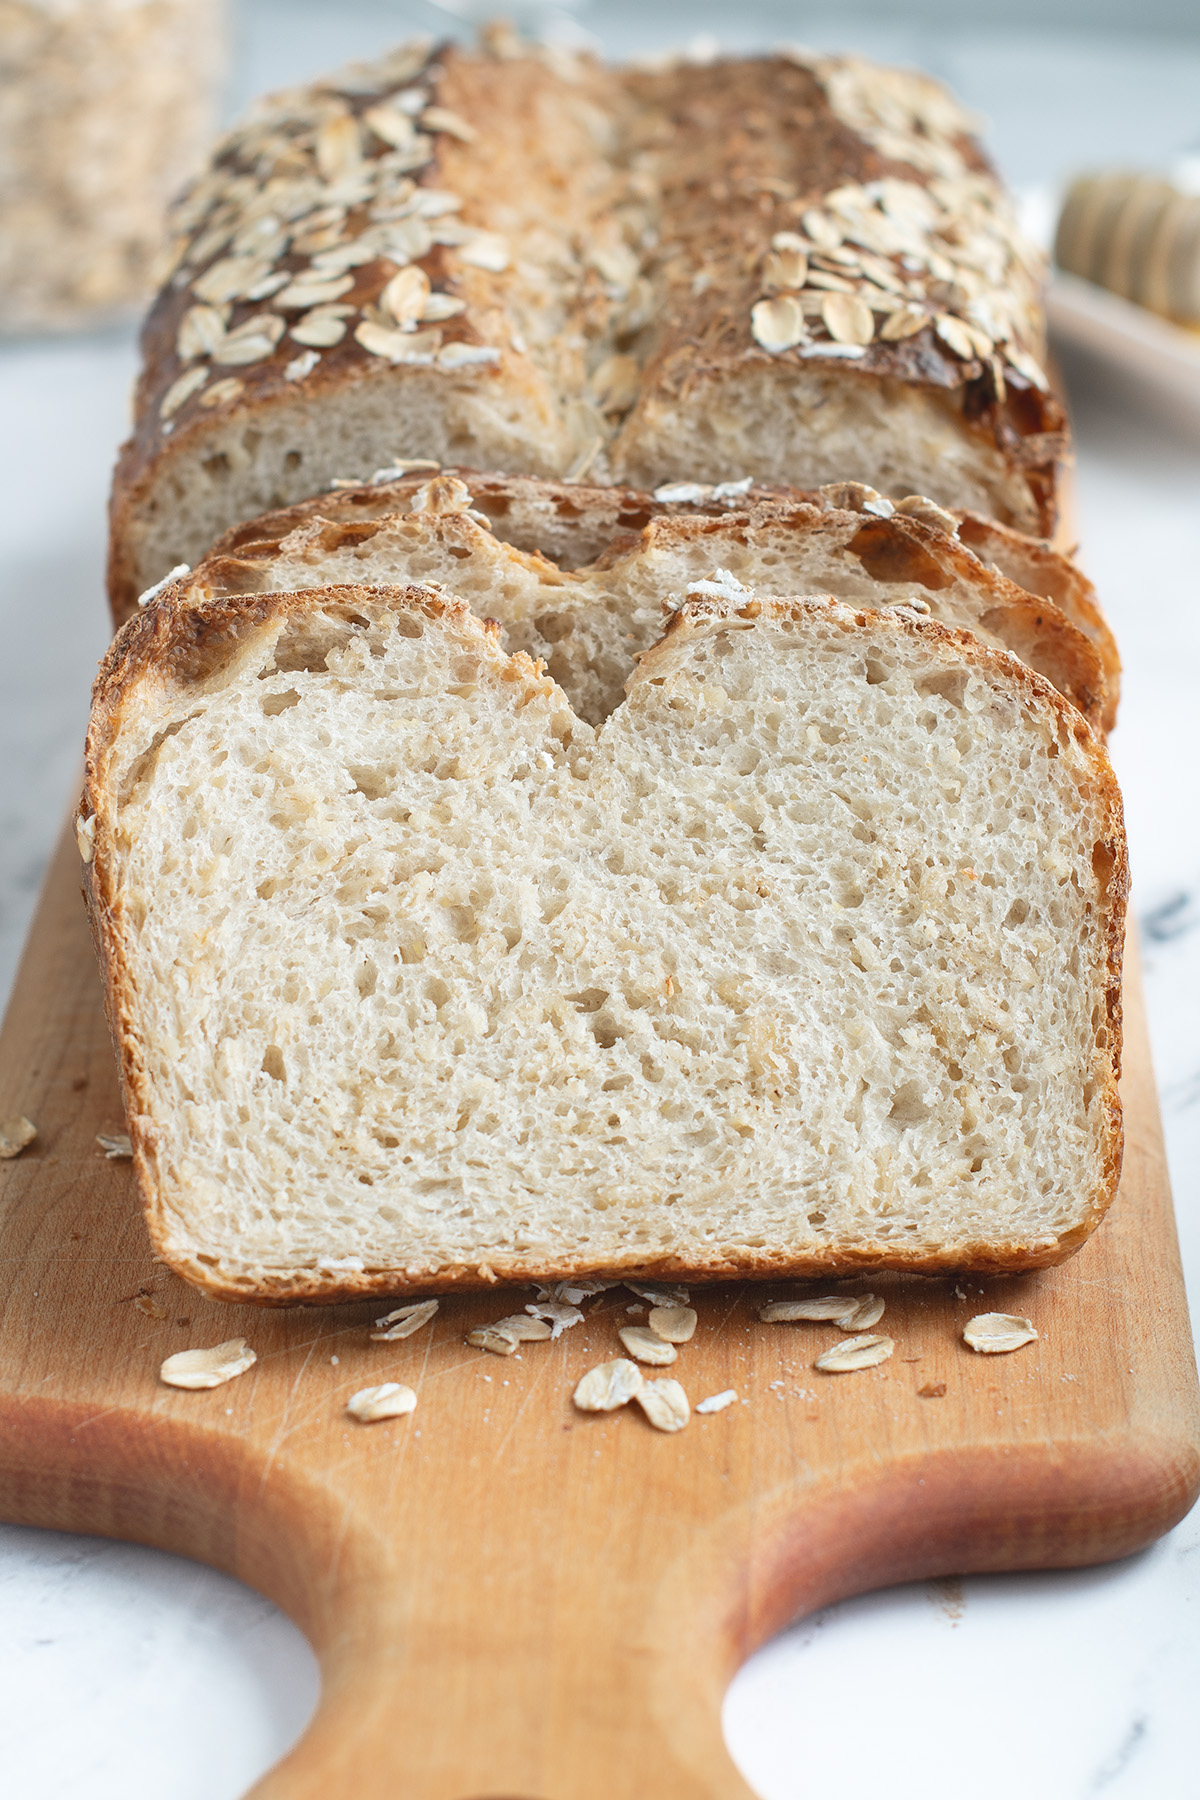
(626, 306)
(173, 660)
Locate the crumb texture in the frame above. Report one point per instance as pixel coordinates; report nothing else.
(589, 623)
(801, 953)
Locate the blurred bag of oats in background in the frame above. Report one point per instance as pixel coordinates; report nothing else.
(105, 109)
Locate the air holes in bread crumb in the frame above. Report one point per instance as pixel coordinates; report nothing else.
(373, 784)
(950, 685)
(277, 703)
(907, 1107)
(303, 647)
(1017, 913)
(272, 1063)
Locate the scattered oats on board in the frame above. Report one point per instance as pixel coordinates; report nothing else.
(15, 1134)
(404, 1321)
(149, 1306)
(932, 1390)
(575, 1291)
(994, 1333)
(484, 1337)
(523, 1328)
(836, 1307)
(115, 1145)
(717, 1402)
(646, 1346)
(659, 1296)
(674, 1324)
(560, 1315)
(608, 1386)
(855, 1353)
(665, 1404)
(208, 1368)
(868, 1311)
(390, 1400)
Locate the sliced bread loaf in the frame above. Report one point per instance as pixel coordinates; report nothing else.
(797, 267)
(589, 621)
(805, 960)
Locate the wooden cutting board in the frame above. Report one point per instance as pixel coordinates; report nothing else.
(512, 1600)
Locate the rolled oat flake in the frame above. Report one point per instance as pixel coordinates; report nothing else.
(608, 1386)
(665, 1404)
(991, 1334)
(855, 1353)
(390, 1400)
(208, 1368)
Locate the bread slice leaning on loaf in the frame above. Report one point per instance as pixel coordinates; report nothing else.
(801, 268)
(589, 622)
(806, 960)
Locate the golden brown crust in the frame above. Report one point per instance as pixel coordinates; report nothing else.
(640, 270)
(182, 641)
(908, 552)
(856, 524)
(1040, 569)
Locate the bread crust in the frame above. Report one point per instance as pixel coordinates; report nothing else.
(178, 642)
(627, 325)
(606, 529)
(1040, 569)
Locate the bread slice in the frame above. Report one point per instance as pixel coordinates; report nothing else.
(800, 268)
(589, 622)
(805, 960)
(1040, 569)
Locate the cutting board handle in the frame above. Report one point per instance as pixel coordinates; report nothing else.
(505, 1714)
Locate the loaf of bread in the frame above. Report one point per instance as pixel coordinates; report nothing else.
(588, 622)
(805, 960)
(796, 268)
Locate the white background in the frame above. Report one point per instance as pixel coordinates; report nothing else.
(128, 1673)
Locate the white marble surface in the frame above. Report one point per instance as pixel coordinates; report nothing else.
(126, 1672)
